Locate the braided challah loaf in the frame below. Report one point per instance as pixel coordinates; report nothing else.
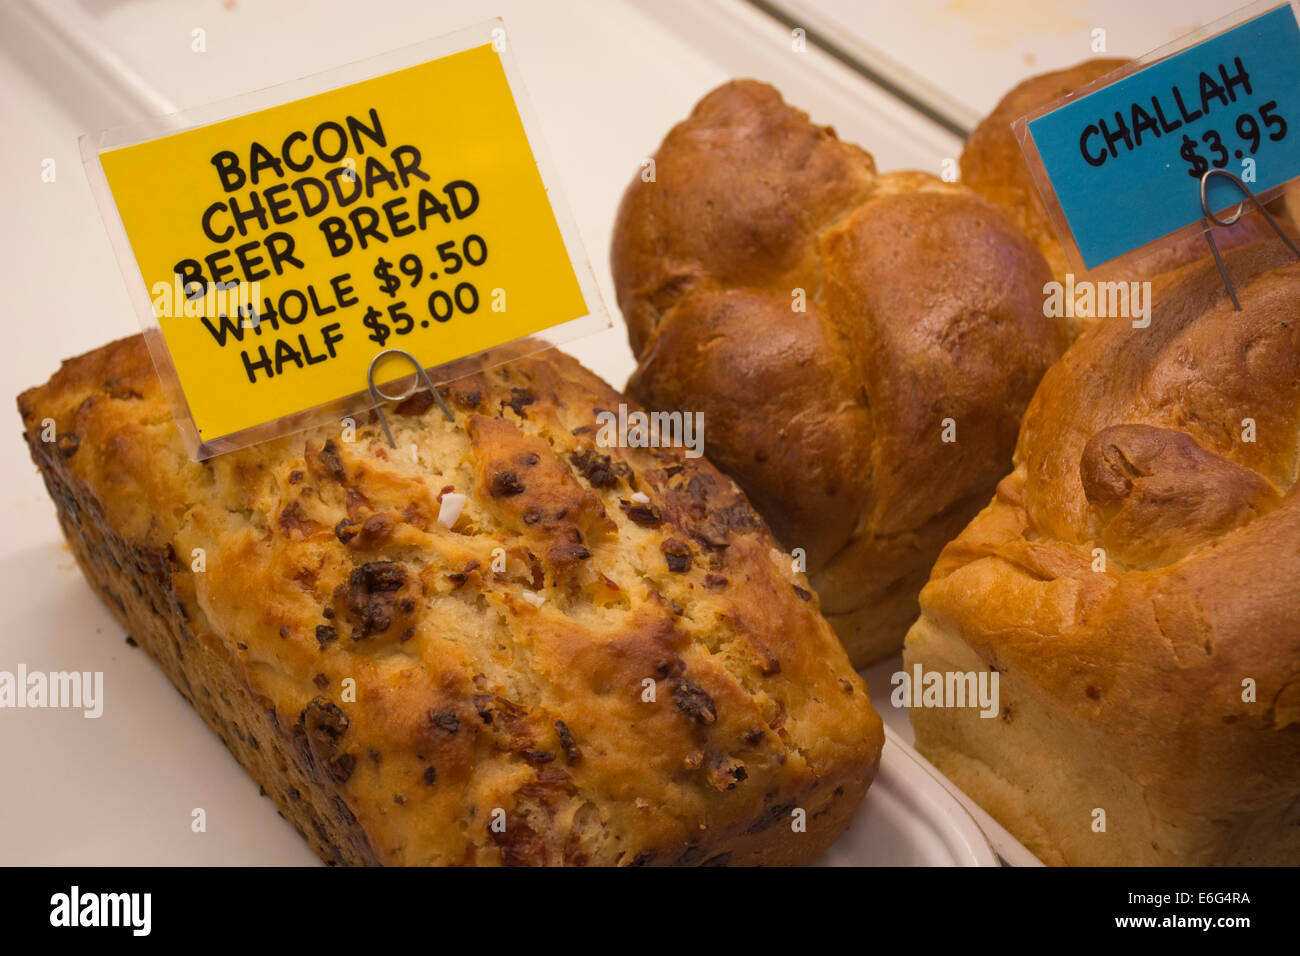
(862, 346)
(1134, 584)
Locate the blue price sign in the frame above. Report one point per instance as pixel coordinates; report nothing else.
(1126, 161)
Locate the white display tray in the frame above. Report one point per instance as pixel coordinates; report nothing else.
(910, 818)
(899, 729)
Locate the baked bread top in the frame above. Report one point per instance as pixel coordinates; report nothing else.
(993, 165)
(480, 688)
(920, 302)
(1139, 565)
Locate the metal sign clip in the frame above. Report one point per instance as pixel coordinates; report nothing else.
(1210, 220)
(380, 396)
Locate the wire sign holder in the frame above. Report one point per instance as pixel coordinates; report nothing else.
(380, 396)
(1210, 220)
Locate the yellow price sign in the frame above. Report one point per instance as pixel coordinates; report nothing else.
(283, 247)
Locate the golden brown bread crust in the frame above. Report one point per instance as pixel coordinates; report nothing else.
(1135, 445)
(326, 562)
(923, 303)
(993, 165)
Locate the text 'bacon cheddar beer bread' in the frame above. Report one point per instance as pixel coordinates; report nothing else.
(862, 346)
(1133, 583)
(560, 653)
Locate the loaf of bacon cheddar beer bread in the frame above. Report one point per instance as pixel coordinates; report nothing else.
(1135, 584)
(595, 656)
(862, 346)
